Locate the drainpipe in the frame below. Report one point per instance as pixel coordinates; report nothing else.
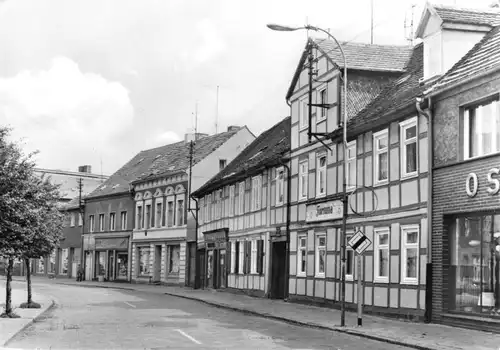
(196, 262)
(288, 209)
(424, 107)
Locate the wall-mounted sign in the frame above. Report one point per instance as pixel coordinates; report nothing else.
(111, 243)
(331, 210)
(359, 242)
(472, 183)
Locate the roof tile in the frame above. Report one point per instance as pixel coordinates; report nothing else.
(468, 16)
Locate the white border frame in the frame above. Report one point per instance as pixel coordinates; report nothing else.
(404, 230)
(376, 165)
(299, 249)
(303, 198)
(402, 147)
(355, 161)
(319, 155)
(318, 274)
(376, 251)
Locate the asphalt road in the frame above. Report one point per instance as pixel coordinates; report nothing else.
(97, 318)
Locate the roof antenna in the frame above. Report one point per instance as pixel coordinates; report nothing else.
(196, 119)
(101, 170)
(307, 31)
(371, 25)
(217, 110)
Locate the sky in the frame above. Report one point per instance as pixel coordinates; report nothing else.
(96, 81)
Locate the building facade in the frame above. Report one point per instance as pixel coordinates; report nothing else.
(240, 212)
(465, 109)
(387, 169)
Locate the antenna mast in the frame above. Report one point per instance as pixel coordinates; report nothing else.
(196, 119)
(217, 110)
(410, 37)
(371, 25)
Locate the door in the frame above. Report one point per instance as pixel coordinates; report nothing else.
(111, 267)
(201, 269)
(221, 270)
(88, 266)
(157, 268)
(210, 268)
(122, 266)
(278, 270)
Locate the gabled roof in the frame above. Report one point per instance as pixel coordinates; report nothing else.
(164, 160)
(265, 151)
(359, 56)
(482, 58)
(458, 15)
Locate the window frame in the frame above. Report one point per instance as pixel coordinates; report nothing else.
(123, 220)
(304, 173)
(303, 122)
(233, 257)
(466, 117)
(317, 249)
(404, 255)
(112, 222)
(139, 256)
(350, 251)
(280, 185)
(241, 257)
(170, 217)
(256, 192)
(241, 198)
(80, 219)
(319, 170)
(253, 257)
(403, 142)
(102, 224)
(72, 220)
(91, 223)
(231, 200)
(180, 211)
(377, 248)
(323, 112)
(301, 249)
(349, 162)
(376, 156)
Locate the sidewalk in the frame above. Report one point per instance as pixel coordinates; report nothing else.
(11, 327)
(415, 335)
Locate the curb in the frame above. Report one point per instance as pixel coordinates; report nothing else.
(304, 324)
(94, 286)
(33, 320)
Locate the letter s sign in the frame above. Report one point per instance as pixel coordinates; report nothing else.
(473, 192)
(493, 181)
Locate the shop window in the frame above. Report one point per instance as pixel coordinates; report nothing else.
(409, 159)
(138, 224)
(475, 264)
(241, 257)
(321, 176)
(72, 220)
(144, 260)
(381, 156)
(111, 221)
(174, 252)
(91, 223)
(280, 186)
(101, 222)
(320, 255)
(381, 255)
(409, 255)
(351, 165)
(158, 216)
(100, 264)
(63, 261)
(303, 179)
(302, 256)
(123, 219)
(482, 129)
(52, 262)
(180, 212)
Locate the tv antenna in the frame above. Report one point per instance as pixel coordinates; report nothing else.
(409, 38)
(217, 110)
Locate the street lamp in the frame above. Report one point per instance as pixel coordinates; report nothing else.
(282, 28)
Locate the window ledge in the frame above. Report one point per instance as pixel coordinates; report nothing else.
(319, 276)
(381, 183)
(409, 282)
(381, 280)
(301, 274)
(409, 176)
(349, 278)
(303, 127)
(304, 199)
(320, 195)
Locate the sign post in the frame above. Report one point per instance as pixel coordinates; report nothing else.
(359, 243)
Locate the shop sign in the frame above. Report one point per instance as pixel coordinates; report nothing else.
(472, 183)
(111, 243)
(330, 210)
(88, 242)
(216, 239)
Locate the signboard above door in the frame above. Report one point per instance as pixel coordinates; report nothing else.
(331, 210)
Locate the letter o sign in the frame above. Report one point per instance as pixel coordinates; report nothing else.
(471, 192)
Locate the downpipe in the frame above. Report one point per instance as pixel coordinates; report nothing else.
(287, 228)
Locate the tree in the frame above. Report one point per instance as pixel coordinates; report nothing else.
(16, 206)
(46, 229)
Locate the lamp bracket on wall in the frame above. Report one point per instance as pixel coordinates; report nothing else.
(316, 136)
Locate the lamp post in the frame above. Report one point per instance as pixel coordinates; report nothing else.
(282, 28)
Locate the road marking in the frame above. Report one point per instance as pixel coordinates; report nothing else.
(130, 304)
(188, 336)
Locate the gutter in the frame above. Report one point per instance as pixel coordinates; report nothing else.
(288, 210)
(424, 107)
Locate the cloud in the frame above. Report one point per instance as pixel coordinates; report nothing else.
(212, 42)
(70, 116)
(167, 137)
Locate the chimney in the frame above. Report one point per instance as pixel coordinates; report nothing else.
(233, 128)
(85, 169)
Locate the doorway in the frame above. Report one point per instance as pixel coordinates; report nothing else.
(201, 269)
(122, 266)
(211, 271)
(111, 266)
(221, 269)
(157, 266)
(278, 272)
(88, 266)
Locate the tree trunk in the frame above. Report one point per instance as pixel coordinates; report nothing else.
(28, 279)
(8, 291)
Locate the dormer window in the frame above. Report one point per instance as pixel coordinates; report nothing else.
(433, 55)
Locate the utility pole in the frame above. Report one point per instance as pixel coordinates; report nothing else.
(311, 75)
(193, 212)
(81, 212)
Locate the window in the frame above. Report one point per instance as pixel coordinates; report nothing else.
(170, 213)
(409, 256)
(482, 129)
(320, 255)
(323, 99)
(381, 156)
(174, 253)
(72, 220)
(256, 193)
(349, 262)
(91, 223)
(303, 113)
(351, 165)
(241, 256)
(222, 163)
(253, 258)
(409, 147)
(207, 212)
(143, 260)
(101, 222)
(147, 216)
(280, 186)
(158, 216)
(80, 219)
(231, 201)
(111, 221)
(138, 223)
(303, 177)
(260, 256)
(123, 219)
(241, 198)
(321, 176)
(180, 212)
(63, 261)
(234, 253)
(302, 256)
(219, 204)
(381, 255)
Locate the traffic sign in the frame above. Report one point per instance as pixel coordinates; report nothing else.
(359, 242)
